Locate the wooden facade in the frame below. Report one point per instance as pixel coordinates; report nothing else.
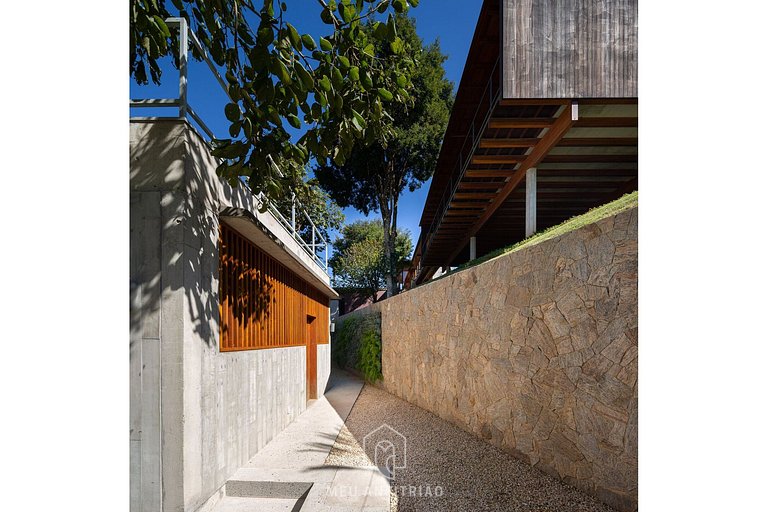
(263, 304)
(548, 85)
(569, 48)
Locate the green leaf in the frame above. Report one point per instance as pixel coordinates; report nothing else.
(163, 27)
(325, 45)
(369, 50)
(309, 43)
(294, 121)
(391, 28)
(265, 35)
(326, 16)
(397, 46)
(344, 62)
(401, 80)
(383, 6)
(337, 78)
(358, 120)
(279, 69)
(325, 84)
(234, 128)
(232, 111)
(347, 13)
(380, 30)
(367, 80)
(293, 35)
(354, 73)
(304, 76)
(385, 94)
(400, 6)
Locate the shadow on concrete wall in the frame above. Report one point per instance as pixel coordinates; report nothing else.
(174, 242)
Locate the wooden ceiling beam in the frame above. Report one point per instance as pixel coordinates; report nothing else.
(480, 186)
(520, 122)
(606, 122)
(468, 205)
(557, 130)
(597, 141)
(473, 195)
(524, 102)
(570, 159)
(488, 173)
(497, 159)
(491, 143)
(557, 174)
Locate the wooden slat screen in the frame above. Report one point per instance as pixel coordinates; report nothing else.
(262, 304)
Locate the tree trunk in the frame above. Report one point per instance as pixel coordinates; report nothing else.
(389, 245)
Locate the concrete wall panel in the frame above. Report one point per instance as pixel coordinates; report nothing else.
(197, 414)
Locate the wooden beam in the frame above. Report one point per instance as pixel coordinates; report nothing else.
(460, 213)
(520, 122)
(576, 174)
(489, 185)
(488, 173)
(467, 205)
(585, 179)
(606, 122)
(597, 141)
(473, 195)
(569, 159)
(556, 132)
(491, 143)
(515, 102)
(497, 159)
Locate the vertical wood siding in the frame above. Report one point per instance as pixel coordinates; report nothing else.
(569, 48)
(263, 304)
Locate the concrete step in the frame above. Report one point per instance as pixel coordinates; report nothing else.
(267, 489)
(238, 504)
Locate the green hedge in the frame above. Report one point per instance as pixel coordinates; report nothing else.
(358, 345)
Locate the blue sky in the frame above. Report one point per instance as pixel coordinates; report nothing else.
(450, 21)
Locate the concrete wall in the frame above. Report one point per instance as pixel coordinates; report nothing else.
(534, 351)
(197, 414)
(323, 367)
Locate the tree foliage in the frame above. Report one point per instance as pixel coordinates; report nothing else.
(359, 260)
(340, 88)
(374, 176)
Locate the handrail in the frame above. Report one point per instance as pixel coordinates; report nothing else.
(185, 35)
(473, 137)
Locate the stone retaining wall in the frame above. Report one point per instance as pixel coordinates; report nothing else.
(534, 351)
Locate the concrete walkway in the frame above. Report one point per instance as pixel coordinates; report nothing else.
(289, 473)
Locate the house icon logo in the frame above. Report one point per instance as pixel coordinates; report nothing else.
(388, 448)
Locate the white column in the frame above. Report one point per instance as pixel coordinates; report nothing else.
(472, 248)
(183, 34)
(530, 202)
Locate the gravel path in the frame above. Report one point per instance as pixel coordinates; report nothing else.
(472, 474)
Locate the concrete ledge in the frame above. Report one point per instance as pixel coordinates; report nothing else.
(251, 227)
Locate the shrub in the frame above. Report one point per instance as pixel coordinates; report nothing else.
(360, 336)
(370, 353)
(343, 339)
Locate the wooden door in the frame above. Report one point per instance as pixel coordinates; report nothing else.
(311, 338)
